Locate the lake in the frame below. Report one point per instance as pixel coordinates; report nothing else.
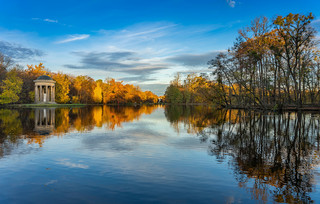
(158, 154)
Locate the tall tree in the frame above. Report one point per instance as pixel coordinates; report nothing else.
(299, 41)
(97, 93)
(11, 87)
(62, 87)
(5, 63)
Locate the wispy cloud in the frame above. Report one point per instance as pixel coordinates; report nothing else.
(75, 37)
(194, 59)
(141, 33)
(147, 32)
(231, 3)
(46, 20)
(17, 51)
(119, 61)
(316, 24)
(50, 20)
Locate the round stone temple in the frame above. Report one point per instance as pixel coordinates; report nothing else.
(44, 90)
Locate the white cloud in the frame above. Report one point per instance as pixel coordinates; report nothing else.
(50, 20)
(146, 32)
(316, 22)
(231, 3)
(46, 20)
(75, 37)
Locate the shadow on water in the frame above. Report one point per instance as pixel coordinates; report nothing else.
(272, 155)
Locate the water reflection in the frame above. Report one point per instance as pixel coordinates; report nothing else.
(36, 125)
(271, 155)
(44, 120)
(10, 130)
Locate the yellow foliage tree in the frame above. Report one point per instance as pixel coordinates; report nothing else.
(62, 87)
(37, 70)
(11, 87)
(97, 93)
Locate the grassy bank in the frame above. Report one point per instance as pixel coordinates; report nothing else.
(45, 105)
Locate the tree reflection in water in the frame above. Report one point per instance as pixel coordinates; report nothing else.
(10, 130)
(271, 154)
(36, 125)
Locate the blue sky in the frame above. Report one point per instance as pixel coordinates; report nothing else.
(140, 42)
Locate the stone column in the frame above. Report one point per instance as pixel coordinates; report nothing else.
(36, 100)
(53, 93)
(50, 90)
(47, 94)
(51, 99)
(41, 93)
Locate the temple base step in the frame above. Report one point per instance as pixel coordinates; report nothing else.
(46, 103)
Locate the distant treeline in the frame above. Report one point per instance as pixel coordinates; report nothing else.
(272, 64)
(17, 86)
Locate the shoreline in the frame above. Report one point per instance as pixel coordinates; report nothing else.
(44, 105)
(284, 108)
(258, 108)
(57, 105)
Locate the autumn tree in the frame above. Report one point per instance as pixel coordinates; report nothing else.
(114, 92)
(11, 87)
(299, 41)
(62, 87)
(97, 93)
(151, 97)
(82, 87)
(37, 70)
(173, 94)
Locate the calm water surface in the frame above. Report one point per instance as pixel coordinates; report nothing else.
(158, 154)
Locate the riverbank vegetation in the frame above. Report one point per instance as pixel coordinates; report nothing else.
(17, 86)
(273, 64)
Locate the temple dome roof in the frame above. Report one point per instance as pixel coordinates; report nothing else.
(44, 77)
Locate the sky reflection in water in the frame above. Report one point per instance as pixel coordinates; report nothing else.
(157, 154)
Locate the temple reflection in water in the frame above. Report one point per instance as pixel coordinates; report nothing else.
(44, 120)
